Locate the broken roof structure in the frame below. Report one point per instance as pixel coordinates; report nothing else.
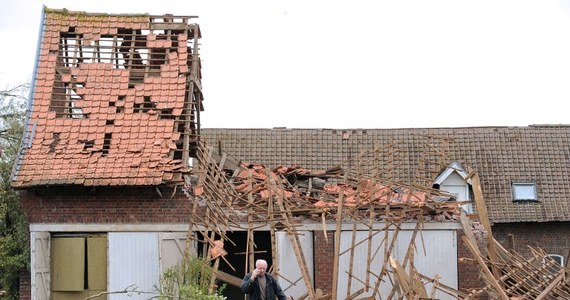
(287, 198)
(284, 197)
(116, 101)
(417, 156)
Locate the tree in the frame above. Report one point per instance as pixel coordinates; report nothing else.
(14, 246)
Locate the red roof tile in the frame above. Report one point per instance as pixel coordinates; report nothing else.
(95, 119)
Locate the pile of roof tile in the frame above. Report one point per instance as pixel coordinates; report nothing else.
(316, 191)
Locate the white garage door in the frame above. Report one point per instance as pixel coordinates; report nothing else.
(292, 281)
(133, 263)
(439, 258)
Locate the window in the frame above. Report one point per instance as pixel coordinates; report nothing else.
(524, 191)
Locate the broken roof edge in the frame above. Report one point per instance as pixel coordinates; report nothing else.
(66, 11)
(35, 185)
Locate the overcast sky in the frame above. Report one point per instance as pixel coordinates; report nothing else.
(353, 64)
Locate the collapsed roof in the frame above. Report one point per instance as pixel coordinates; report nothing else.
(500, 155)
(284, 197)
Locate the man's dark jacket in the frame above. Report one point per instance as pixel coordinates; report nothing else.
(272, 290)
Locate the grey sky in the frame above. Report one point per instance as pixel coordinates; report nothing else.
(354, 64)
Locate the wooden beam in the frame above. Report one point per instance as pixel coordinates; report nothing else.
(552, 285)
(292, 234)
(225, 277)
(483, 266)
(484, 218)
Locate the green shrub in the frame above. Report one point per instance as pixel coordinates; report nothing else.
(189, 279)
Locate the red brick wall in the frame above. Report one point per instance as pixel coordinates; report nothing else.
(324, 258)
(467, 267)
(105, 205)
(552, 237)
(25, 284)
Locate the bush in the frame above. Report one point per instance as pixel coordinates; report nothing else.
(189, 279)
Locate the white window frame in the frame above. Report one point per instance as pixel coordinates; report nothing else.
(524, 191)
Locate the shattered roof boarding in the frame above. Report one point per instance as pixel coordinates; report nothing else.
(115, 101)
(501, 156)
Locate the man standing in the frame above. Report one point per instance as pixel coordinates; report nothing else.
(259, 285)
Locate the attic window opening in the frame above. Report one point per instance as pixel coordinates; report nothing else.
(70, 49)
(524, 191)
(65, 96)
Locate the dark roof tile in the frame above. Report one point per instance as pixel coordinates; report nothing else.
(500, 155)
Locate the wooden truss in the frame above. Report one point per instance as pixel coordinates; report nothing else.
(226, 195)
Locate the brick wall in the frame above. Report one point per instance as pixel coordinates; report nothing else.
(467, 267)
(106, 205)
(324, 258)
(25, 285)
(552, 237)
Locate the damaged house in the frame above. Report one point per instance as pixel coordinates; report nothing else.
(523, 191)
(113, 119)
(114, 170)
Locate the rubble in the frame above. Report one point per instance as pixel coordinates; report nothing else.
(285, 197)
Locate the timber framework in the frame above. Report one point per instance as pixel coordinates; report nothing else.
(231, 194)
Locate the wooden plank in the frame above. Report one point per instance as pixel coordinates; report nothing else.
(351, 262)
(484, 218)
(387, 253)
(225, 277)
(97, 262)
(68, 264)
(402, 278)
(250, 247)
(170, 26)
(467, 227)
(293, 236)
(483, 266)
(214, 275)
(369, 257)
